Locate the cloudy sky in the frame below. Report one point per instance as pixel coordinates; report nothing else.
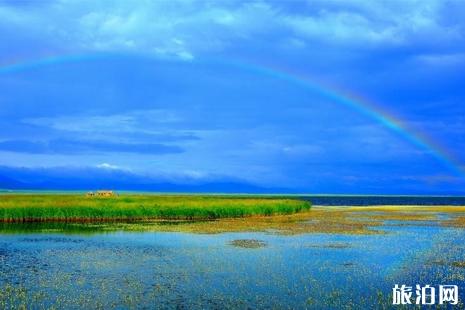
(236, 91)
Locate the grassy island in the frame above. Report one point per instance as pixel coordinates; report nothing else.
(78, 208)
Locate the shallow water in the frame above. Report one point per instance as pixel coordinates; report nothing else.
(124, 269)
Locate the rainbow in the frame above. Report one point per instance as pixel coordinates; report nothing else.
(334, 93)
(364, 106)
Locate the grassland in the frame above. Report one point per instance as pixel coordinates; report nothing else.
(78, 208)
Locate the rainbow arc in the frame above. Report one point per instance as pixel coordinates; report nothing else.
(344, 97)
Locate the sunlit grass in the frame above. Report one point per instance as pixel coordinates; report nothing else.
(36, 208)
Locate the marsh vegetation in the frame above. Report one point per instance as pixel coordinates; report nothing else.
(78, 208)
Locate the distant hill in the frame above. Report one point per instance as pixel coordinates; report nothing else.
(9, 183)
(98, 178)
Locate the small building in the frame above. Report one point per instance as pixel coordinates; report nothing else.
(106, 193)
(101, 193)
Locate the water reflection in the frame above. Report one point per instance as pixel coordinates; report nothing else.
(100, 265)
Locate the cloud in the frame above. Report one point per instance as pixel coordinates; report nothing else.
(214, 117)
(108, 166)
(385, 24)
(132, 121)
(187, 29)
(133, 126)
(85, 147)
(445, 59)
(341, 27)
(292, 151)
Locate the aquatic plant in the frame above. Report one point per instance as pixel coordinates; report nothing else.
(69, 208)
(248, 243)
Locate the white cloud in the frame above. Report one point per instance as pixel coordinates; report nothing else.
(340, 27)
(387, 22)
(184, 29)
(108, 166)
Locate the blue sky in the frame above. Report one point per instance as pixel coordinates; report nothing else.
(172, 92)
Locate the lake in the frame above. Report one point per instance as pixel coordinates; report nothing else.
(304, 262)
(355, 200)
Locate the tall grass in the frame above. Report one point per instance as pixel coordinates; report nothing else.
(69, 208)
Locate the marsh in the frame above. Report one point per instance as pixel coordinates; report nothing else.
(324, 258)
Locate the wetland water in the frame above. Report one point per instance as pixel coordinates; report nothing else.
(326, 258)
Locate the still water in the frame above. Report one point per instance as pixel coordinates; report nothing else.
(354, 200)
(124, 269)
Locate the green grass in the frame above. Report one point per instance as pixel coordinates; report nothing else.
(69, 208)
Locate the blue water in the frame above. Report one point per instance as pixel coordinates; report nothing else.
(198, 271)
(385, 200)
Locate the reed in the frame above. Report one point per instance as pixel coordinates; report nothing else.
(78, 208)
